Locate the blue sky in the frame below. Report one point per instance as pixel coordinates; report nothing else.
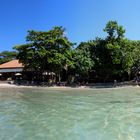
(83, 19)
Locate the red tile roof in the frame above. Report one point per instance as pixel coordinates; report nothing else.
(11, 64)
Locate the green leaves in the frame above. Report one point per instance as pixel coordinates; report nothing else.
(83, 60)
(111, 57)
(46, 51)
(6, 56)
(114, 30)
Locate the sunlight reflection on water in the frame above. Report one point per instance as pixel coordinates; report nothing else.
(55, 114)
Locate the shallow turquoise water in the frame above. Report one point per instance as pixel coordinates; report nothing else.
(88, 114)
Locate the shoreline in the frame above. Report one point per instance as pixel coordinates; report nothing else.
(7, 85)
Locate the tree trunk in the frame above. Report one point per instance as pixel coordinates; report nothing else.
(59, 78)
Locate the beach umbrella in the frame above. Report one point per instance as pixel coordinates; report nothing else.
(52, 73)
(18, 74)
(45, 73)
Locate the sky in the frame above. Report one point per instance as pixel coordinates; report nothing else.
(83, 19)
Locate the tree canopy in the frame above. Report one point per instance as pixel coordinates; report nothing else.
(46, 51)
(6, 56)
(111, 57)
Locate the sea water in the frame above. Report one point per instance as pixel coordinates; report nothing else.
(69, 114)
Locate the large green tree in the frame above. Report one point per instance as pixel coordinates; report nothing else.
(113, 56)
(121, 50)
(83, 60)
(46, 51)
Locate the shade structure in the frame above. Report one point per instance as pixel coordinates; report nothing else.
(11, 70)
(45, 73)
(52, 73)
(18, 74)
(11, 66)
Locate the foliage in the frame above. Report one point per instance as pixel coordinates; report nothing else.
(6, 56)
(103, 55)
(49, 50)
(110, 58)
(114, 30)
(113, 55)
(82, 59)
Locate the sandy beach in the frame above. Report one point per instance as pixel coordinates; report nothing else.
(7, 85)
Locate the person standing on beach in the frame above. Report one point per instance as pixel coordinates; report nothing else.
(115, 83)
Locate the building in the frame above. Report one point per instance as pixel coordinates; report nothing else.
(14, 71)
(11, 69)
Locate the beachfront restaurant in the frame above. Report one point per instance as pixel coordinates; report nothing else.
(14, 71)
(11, 70)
